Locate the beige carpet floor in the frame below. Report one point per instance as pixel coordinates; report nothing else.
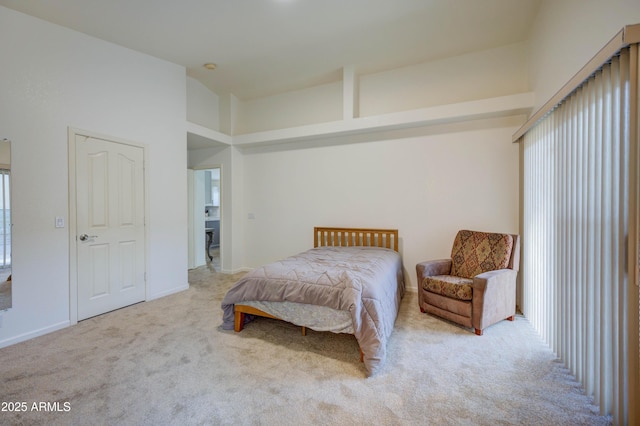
(167, 362)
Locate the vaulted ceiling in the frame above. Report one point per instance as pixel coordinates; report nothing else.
(264, 47)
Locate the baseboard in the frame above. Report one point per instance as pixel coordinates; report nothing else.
(32, 334)
(168, 292)
(235, 271)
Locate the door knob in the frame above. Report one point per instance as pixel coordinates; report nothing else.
(85, 237)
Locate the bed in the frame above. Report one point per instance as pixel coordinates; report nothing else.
(350, 282)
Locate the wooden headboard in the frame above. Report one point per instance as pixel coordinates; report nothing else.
(387, 238)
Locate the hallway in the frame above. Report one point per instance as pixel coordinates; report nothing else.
(214, 252)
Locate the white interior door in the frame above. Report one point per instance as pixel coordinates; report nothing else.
(109, 225)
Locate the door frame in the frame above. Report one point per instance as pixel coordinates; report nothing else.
(191, 207)
(73, 243)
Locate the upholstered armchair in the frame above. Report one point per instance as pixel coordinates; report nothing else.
(477, 286)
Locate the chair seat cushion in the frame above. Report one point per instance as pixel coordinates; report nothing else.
(450, 286)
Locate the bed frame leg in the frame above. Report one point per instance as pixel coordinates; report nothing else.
(238, 321)
(361, 355)
(304, 330)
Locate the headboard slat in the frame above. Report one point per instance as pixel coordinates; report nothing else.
(347, 237)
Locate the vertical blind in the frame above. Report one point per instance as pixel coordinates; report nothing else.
(579, 166)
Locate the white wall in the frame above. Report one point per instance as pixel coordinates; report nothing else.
(428, 183)
(5, 152)
(195, 190)
(316, 104)
(202, 105)
(479, 75)
(53, 78)
(567, 34)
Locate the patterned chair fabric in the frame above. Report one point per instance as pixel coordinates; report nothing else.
(476, 252)
(450, 286)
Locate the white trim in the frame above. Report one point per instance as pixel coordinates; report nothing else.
(33, 334)
(168, 292)
(350, 93)
(72, 222)
(222, 203)
(235, 271)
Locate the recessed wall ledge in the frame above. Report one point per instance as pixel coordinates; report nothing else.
(521, 103)
(502, 106)
(205, 132)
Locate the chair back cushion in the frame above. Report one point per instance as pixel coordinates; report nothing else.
(476, 252)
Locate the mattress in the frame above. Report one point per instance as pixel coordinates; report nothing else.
(315, 317)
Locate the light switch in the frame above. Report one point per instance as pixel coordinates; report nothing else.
(59, 222)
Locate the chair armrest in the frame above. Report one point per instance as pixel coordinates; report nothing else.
(433, 267)
(494, 297)
(499, 277)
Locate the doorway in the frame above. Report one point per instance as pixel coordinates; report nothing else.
(205, 205)
(212, 217)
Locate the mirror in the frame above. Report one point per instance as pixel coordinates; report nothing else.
(5, 225)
